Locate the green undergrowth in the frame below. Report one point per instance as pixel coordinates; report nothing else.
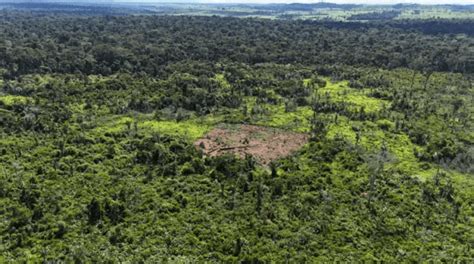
(114, 125)
(10, 100)
(372, 136)
(297, 120)
(222, 81)
(189, 129)
(341, 92)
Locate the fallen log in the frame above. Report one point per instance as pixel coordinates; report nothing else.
(229, 148)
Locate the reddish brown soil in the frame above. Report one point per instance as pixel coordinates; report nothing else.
(263, 143)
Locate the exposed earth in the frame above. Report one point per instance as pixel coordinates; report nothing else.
(265, 144)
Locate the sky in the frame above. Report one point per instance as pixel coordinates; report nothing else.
(316, 1)
(464, 2)
(355, 1)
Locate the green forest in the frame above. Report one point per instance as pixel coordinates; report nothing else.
(100, 115)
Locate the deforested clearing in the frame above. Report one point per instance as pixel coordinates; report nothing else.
(265, 144)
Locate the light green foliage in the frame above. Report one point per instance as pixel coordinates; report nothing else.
(13, 99)
(297, 120)
(373, 135)
(222, 80)
(189, 129)
(114, 124)
(340, 92)
(343, 128)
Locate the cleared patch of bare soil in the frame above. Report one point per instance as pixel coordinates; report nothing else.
(265, 144)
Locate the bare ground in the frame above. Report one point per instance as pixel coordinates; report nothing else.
(263, 143)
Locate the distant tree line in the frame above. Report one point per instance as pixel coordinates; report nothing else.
(384, 15)
(147, 44)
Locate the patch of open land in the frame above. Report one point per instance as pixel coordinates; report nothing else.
(265, 144)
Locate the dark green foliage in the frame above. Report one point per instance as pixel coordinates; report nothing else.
(147, 44)
(94, 211)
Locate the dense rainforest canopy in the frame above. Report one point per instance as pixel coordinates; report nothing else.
(98, 116)
(108, 44)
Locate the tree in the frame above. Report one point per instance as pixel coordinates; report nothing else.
(94, 212)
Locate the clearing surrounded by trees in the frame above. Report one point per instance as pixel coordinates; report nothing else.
(193, 133)
(265, 144)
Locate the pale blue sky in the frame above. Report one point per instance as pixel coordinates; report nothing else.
(316, 1)
(353, 1)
